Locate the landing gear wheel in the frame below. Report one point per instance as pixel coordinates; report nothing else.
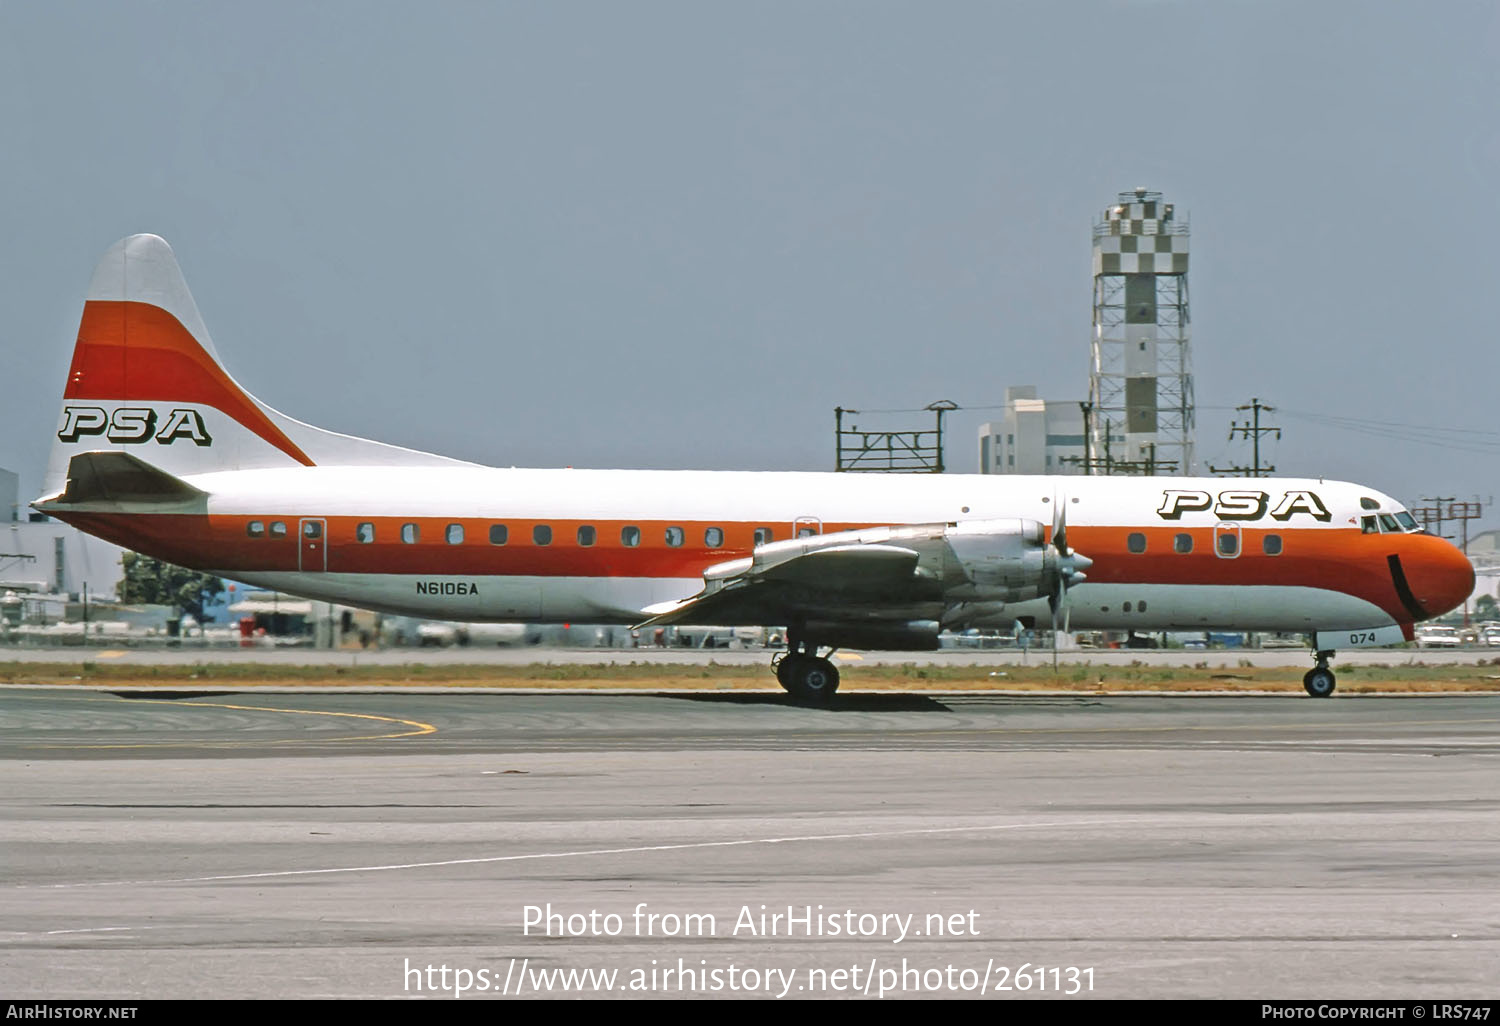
(784, 667)
(1319, 682)
(811, 679)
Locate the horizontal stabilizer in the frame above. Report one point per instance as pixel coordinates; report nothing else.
(115, 479)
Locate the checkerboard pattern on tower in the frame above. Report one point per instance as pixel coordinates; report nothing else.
(1141, 371)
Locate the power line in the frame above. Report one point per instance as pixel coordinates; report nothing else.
(1461, 439)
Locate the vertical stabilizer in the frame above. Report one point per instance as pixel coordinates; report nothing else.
(145, 379)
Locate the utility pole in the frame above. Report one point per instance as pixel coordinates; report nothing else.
(1107, 464)
(1434, 514)
(941, 407)
(1251, 430)
(890, 452)
(1464, 512)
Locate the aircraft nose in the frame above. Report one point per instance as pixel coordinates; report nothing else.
(1441, 576)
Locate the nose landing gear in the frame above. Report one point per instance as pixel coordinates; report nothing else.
(1319, 682)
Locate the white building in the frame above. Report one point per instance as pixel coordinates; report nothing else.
(47, 557)
(1484, 553)
(1036, 436)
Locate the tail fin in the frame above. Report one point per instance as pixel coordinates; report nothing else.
(145, 379)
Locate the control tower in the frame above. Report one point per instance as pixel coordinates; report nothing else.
(1141, 371)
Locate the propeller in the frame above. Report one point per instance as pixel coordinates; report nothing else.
(1071, 565)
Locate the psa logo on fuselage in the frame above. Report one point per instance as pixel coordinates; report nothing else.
(132, 425)
(1242, 505)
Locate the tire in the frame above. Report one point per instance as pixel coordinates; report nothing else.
(1319, 682)
(811, 679)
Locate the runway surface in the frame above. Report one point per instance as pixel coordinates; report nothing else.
(759, 658)
(221, 844)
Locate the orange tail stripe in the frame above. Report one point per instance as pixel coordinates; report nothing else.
(136, 351)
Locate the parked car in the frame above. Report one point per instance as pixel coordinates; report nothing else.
(1436, 635)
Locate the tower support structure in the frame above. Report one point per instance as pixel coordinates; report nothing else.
(1141, 370)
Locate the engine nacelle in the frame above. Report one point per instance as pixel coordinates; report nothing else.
(961, 616)
(998, 561)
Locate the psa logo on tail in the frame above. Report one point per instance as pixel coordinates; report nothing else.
(130, 425)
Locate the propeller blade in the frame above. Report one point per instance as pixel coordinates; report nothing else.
(1054, 637)
(1070, 567)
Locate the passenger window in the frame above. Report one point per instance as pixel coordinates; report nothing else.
(586, 535)
(499, 534)
(541, 534)
(1368, 525)
(676, 536)
(255, 529)
(364, 533)
(1270, 544)
(312, 528)
(630, 537)
(714, 537)
(1182, 543)
(1125, 607)
(764, 535)
(1135, 542)
(410, 534)
(1140, 607)
(1229, 544)
(454, 534)
(278, 529)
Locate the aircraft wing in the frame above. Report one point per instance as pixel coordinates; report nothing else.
(865, 575)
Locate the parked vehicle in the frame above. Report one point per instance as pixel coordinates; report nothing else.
(1436, 635)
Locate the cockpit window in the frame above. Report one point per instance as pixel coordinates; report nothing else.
(1369, 525)
(1408, 521)
(1388, 523)
(1365, 502)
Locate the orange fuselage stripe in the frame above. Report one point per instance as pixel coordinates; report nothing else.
(1340, 560)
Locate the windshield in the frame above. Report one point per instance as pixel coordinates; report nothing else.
(1392, 518)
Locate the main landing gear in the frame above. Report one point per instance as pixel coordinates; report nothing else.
(1319, 681)
(806, 675)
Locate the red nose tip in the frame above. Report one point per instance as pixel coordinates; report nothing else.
(1441, 576)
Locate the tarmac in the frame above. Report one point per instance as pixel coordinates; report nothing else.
(216, 844)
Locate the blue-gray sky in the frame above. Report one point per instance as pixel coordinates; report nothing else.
(678, 234)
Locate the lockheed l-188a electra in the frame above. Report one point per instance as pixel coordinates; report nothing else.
(159, 450)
